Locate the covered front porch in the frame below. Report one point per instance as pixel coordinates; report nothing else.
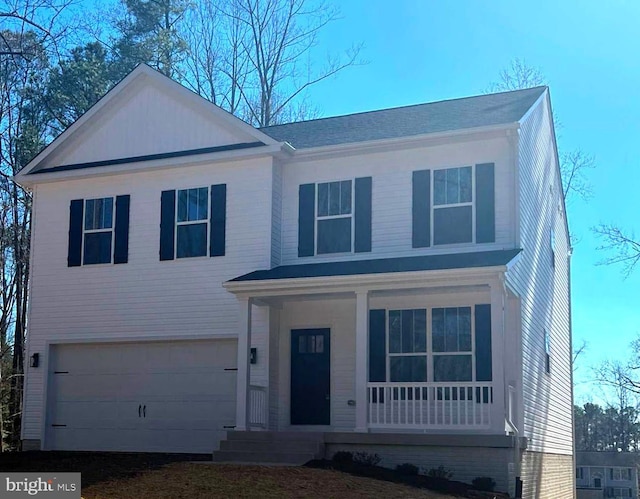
(417, 347)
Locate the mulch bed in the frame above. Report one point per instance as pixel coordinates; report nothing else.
(443, 485)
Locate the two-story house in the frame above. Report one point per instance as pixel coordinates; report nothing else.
(606, 475)
(392, 282)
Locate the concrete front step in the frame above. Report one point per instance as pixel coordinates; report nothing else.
(306, 446)
(276, 436)
(270, 447)
(236, 456)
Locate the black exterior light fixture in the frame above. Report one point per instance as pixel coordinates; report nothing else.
(34, 360)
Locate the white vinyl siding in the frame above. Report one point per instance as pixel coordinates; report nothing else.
(145, 298)
(544, 291)
(392, 172)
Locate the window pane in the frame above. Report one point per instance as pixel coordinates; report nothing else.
(334, 235)
(452, 367)
(403, 369)
(302, 344)
(420, 330)
(465, 184)
(319, 343)
(395, 331)
(437, 329)
(334, 198)
(88, 214)
(107, 220)
(203, 203)
(345, 197)
(182, 205)
(464, 329)
(407, 331)
(192, 205)
(450, 329)
(453, 187)
(439, 187)
(97, 248)
(323, 200)
(192, 240)
(452, 225)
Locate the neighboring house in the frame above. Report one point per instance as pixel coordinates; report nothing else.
(392, 282)
(606, 474)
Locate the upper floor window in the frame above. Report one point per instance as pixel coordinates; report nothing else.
(547, 352)
(453, 205)
(192, 222)
(620, 474)
(334, 217)
(98, 231)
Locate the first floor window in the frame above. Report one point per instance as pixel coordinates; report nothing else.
(192, 222)
(98, 231)
(334, 217)
(408, 345)
(451, 343)
(450, 338)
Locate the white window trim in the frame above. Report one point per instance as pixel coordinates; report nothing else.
(98, 231)
(317, 217)
(434, 207)
(205, 220)
(430, 353)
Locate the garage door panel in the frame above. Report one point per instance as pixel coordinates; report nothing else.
(161, 396)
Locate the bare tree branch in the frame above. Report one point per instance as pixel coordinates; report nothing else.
(622, 246)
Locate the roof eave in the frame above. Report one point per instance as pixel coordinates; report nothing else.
(408, 140)
(156, 164)
(372, 282)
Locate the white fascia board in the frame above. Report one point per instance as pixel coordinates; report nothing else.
(368, 282)
(412, 141)
(155, 164)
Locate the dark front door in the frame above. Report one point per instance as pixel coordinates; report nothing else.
(310, 378)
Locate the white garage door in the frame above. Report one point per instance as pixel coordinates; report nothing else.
(176, 396)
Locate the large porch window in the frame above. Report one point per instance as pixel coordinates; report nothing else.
(440, 351)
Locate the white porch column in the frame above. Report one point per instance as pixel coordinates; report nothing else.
(498, 357)
(243, 374)
(362, 358)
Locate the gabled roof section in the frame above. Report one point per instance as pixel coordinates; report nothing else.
(384, 265)
(449, 115)
(145, 114)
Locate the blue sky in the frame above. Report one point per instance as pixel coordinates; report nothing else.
(420, 51)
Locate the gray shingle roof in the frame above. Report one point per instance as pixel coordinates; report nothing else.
(458, 114)
(385, 265)
(624, 459)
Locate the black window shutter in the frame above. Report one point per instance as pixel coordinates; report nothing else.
(121, 243)
(217, 241)
(421, 196)
(377, 346)
(485, 203)
(306, 219)
(483, 343)
(363, 215)
(74, 255)
(167, 224)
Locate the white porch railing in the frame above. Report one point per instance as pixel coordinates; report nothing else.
(428, 406)
(257, 406)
